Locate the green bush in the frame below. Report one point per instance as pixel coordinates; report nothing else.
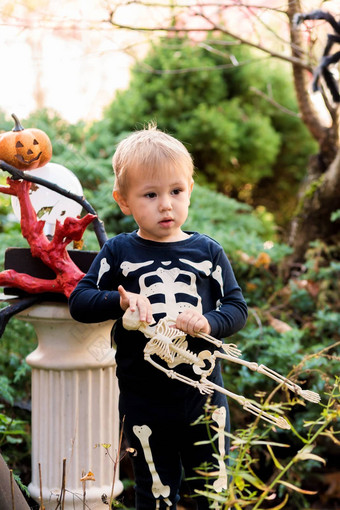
(242, 145)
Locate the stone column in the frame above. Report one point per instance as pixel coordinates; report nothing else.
(74, 407)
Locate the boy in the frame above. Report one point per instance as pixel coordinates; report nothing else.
(161, 270)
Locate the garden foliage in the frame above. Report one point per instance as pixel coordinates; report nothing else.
(243, 145)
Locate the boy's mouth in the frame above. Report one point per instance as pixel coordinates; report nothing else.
(166, 222)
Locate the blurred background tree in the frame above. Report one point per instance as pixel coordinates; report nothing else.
(242, 145)
(272, 31)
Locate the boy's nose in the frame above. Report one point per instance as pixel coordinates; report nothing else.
(165, 204)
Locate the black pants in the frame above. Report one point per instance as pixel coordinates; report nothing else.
(163, 433)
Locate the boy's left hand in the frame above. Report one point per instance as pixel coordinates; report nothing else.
(192, 322)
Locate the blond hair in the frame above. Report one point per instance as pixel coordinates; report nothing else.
(151, 151)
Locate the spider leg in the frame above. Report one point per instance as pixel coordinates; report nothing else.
(317, 14)
(330, 81)
(331, 39)
(322, 69)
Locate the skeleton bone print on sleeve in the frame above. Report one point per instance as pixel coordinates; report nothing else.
(169, 282)
(104, 268)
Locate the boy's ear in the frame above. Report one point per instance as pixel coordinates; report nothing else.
(121, 201)
(191, 185)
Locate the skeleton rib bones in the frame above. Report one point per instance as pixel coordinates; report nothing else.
(170, 344)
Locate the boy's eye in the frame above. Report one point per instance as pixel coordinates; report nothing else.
(150, 195)
(176, 191)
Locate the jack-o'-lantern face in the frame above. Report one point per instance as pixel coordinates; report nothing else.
(29, 154)
(25, 149)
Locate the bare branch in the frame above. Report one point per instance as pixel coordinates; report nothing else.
(291, 59)
(185, 70)
(275, 103)
(213, 27)
(203, 5)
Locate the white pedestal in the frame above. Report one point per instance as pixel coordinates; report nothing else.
(74, 407)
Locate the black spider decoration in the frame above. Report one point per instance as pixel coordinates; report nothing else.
(326, 59)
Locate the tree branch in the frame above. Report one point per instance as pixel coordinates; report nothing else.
(275, 103)
(213, 27)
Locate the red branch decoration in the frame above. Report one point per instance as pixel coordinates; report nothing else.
(52, 253)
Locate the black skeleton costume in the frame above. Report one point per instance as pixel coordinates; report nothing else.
(159, 411)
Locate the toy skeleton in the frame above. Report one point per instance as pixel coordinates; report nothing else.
(170, 345)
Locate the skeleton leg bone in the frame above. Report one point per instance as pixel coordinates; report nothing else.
(143, 433)
(219, 415)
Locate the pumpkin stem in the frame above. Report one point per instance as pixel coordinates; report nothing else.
(18, 126)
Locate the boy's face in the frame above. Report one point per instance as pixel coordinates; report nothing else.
(158, 204)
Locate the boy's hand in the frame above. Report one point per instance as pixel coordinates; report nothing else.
(192, 322)
(136, 302)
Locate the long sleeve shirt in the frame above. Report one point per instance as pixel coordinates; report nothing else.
(174, 276)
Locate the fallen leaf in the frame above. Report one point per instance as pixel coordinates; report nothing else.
(263, 259)
(278, 325)
(88, 476)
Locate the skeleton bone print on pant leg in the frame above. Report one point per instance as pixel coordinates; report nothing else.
(219, 415)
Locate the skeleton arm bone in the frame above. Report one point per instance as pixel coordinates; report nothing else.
(200, 385)
(262, 369)
(230, 349)
(249, 406)
(131, 322)
(207, 387)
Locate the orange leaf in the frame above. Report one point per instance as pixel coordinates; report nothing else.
(263, 259)
(88, 476)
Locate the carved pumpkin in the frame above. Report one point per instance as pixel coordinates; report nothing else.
(25, 149)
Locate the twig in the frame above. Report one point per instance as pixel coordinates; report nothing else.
(84, 490)
(41, 507)
(185, 70)
(12, 488)
(275, 103)
(117, 461)
(61, 500)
